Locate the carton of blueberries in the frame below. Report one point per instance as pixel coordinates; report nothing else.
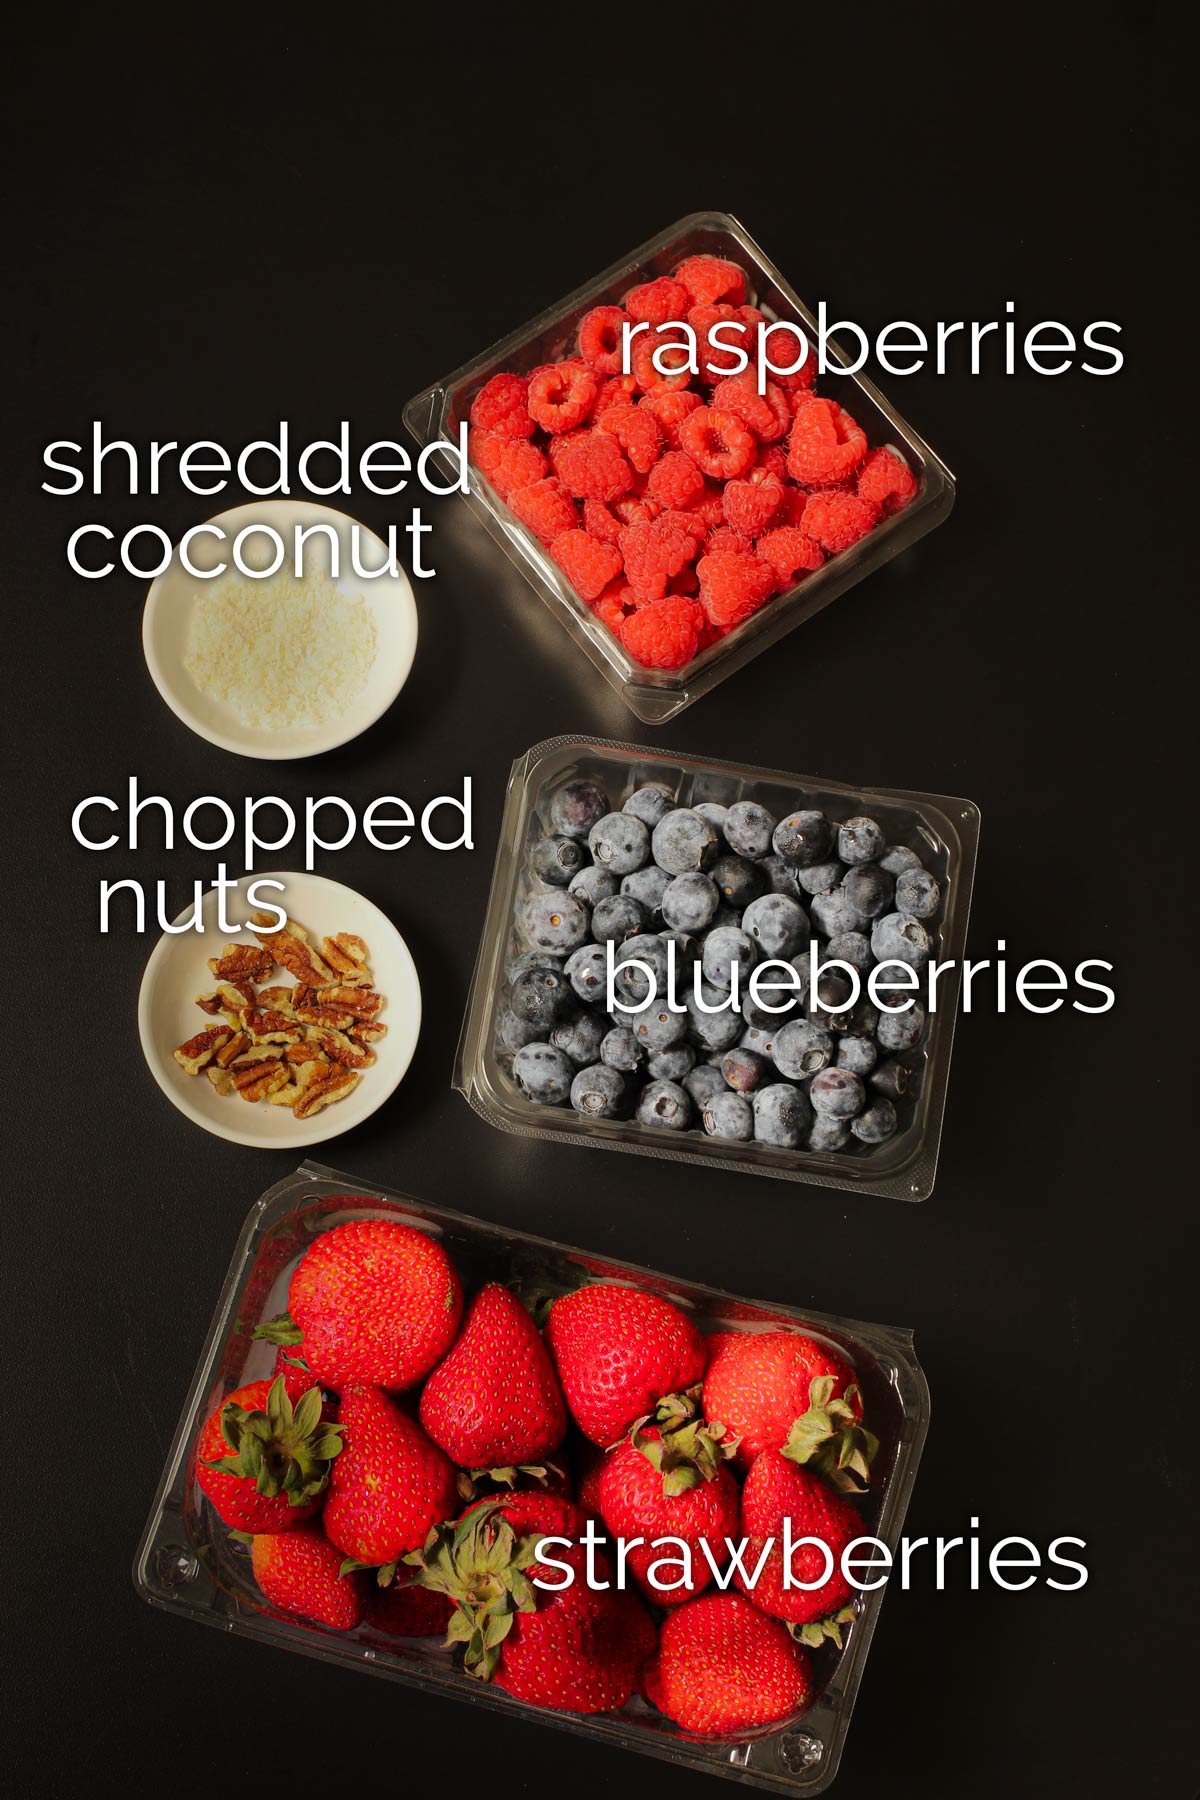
(693, 960)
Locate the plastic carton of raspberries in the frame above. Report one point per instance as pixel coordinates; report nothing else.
(676, 505)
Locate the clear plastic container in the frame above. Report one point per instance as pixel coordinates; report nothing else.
(942, 829)
(188, 1564)
(656, 695)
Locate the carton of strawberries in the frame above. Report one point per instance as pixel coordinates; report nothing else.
(597, 1501)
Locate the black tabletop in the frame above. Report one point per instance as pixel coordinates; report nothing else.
(207, 234)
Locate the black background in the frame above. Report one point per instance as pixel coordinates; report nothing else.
(253, 222)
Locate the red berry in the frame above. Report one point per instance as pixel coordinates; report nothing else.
(675, 481)
(664, 634)
(710, 508)
(717, 442)
(838, 520)
(600, 339)
(546, 507)
(788, 549)
(886, 480)
(726, 538)
(588, 564)
(732, 585)
(767, 414)
(508, 463)
(712, 278)
(655, 302)
(615, 390)
(612, 608)
(562, 395)
(639, 434)
(590, 465)
(723, 1668)
(601, 522)
(299, 1572)
(671, 370)
(499, 406)
(752, 504)
(671, 407)
(653, 553)
(774, 458)
(826, 444)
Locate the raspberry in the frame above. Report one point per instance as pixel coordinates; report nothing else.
(733, 585)
(788, 549)
(508, 463)
(633, 510)
(600, 522)
(614, 604)
(751, 505)
(664, 634)
(500, 407)
(710, 508)
(562, 395)
(615, 390)
(781, 345)
(639, 434)
(710, 278)
(590, 465)
(671, 407)
(886, 480)
(588, 564)
(838, 520)
(717, 442)
(768, 414)
(826, 444)
(691, 522)
(600, 339)
(774, 458)
(654, 302)
(653, 553)
(726, 538)
(673, 353)
(714, 359)
(675, 481)
(546, 507)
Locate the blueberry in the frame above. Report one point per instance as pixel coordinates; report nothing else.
(876, 1124)
(689, 902)
(619, 918)
(837, 1093)
(901, 1030)
(600, 1092)
(860, 841)
(918, 893)
(829, 1003)
(744, 1070)
(533, 959)
(851, 947)
(619, 842)
(556, 859)
(577, 807)
(758, 1013)
(870, 889)
(633, 958)
(554, 921)
(714, 813)
(650, 803)
(779, 926)
(702, 1083)
(738, 879)
(687, 952)
(541, 996)
(684, 841)
(821, 878)
(729, 1115)
(898, 938)
(727, 915)
(781, 877)
(749, 828)
(801, 1049)
(891, 1078)
(858, 1054)
(647, 886)
(863, 1018)
(898, 857)
(666, 1104)
(803, 838)
(834, 914)
(658, 1028)
(587, 971)
(759, 1039)
(580, 1037)
(621, 1050)
(725, 949)
(593, 884)
(782, 1115)
(828, 1134)
(543, 1074)
(671, 1064)
(516, 1033)
(713, 1030)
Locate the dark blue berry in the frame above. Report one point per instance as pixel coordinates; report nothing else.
(619, 842)
(898, 938)
(803, 838)
(577, 807)
(744, 1070)
(739, 881)
(647, 886)
(703, 1082)
(749, 828)
(600, 1092)
(828, 1134)
(673, 1063)
(860, 841)
(713, 1030)
(666, 1104)
(858, 1054)
(782, 1115)
(593, 884)
(891, 1078)
(650, 804)
(689, 902)
(918, 893)
(779, 926)
(871, 890)
(729, 1115)
(802, 1049)
(876, 1124)
(619, 918)
(557, 859)
(555, 921)
(727, 948)
(684, 841)
(543, 1074)
(901, 1030)
(821, 878)
(837, 1093)
(621, 1050)
(541, 996)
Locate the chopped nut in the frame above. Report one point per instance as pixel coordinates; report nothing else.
(364, 1003)
(268, 1027)
(241, 962)
(255, 1079)
(221, 1079)
(323, 1088)
(200, 1050)
(339, 1048)
(324, 1015)
(347, 956)
(237, 1046)
(228, 997)
(368, 1031)
(289, 946)
(278, 998)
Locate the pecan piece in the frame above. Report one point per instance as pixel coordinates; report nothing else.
(200, 1050)
(290, 948)
(256, 1077)
(221, 1079)
(325, 1085)
(241, 962)
(368, 1031)
(237, 1046)
(339, 1048)
(269, 1027)
(363, 1003)
(227, 997)
(347, 957)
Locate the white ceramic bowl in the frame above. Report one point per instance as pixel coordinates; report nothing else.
(178, 970)
(168, 614)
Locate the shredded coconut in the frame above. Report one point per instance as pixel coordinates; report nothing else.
(280, 651)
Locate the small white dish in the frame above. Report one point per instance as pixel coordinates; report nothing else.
(167, 618)
(178, 970)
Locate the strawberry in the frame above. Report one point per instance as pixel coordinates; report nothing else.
(722, 1668)
(263, 1464)
(371, 1301)
(495, 1402)
(669, 1480)
(298, 1571)
(777, 1489)
(392, 1484)
(576, 1648)
(406, 1609)
(769, 1388)
(618, 1350)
